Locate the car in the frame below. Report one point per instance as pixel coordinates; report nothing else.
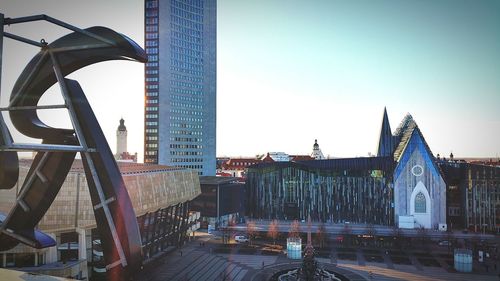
(240, 239)
(444, 243)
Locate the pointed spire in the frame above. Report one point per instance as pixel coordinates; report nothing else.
(385, 143)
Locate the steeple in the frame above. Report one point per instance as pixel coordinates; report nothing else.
(316, 153)
(386, 142)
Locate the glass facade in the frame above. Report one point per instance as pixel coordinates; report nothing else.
(354, 190)
(180, 84)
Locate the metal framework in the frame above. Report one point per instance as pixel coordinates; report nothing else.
(115, 217)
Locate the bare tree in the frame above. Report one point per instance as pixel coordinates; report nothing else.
(273, 231)
(371, 231)
(321, 235)
(294, 231)
(251, 231)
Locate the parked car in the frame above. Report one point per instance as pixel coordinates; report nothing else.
(240, 239)
(444, 243)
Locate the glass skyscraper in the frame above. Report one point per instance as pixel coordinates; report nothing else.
(180, 84)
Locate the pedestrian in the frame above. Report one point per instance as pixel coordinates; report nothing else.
(181, 253)
(262, 264)
(370, 274)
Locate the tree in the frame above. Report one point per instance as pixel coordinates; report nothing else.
(398, 236)
(273, 231)
(294, 231)
(321, 235)
(251, 230)
(371, 231)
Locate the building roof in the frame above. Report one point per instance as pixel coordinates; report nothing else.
(126, 168)
(358, 163)
(214, 180)
(122, 127)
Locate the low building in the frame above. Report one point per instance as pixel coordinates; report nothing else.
(236, 167)
(221, 201)
(160, 196)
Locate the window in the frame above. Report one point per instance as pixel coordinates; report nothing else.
(420, 203)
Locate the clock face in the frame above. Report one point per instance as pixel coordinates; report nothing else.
(417, 170)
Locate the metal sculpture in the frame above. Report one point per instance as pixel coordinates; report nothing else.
(115, 217)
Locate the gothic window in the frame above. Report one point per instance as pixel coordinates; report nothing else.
(420, 204)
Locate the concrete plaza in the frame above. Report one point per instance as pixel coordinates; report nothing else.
(203, 260)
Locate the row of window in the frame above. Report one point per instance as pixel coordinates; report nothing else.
(151, 13)
(151, 4)
(152, 79)
(188, 71)
(186, 98)
(151, 108)
(195, 6)
(185, 91)
(191, 166)
(151, 153)
(151, 64)
(186, 112)
(185, 58)
(186, 105)
(179, 139)
(187, 119)
(151, 124)
(151, 94)
(185, 84)
(184, 51)
(151, 131)
(151, 138)
(152, 21)
(183, 132)
(152, 58)
(186, 153)
(152, 50)
(186, 146)
(152, 72)
(153, 35)
(186, 23)
(152, 86)
(151, 43)
(186, 37)
(177, 160)
(151, 116)
(185, 44)
(151, 28)
(187, 15)
(185, 30)
(184, 125)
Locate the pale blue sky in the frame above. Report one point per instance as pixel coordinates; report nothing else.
(292, 71)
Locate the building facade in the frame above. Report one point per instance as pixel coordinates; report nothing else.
(404, 186)
(180, 84)
(160, 196)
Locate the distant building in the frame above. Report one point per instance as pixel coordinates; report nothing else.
(276, 157)
(316, 153)
(236, 167)
(404, 185)
(122, 153)
(180, 84)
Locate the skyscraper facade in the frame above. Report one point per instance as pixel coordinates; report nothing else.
(180, 84)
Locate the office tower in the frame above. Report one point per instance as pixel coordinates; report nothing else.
(180, 82)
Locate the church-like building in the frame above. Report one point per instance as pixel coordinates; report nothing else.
(403, 185)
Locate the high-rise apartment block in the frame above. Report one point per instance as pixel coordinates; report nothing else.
(180, 81)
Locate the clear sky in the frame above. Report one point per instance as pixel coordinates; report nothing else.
(289, 72)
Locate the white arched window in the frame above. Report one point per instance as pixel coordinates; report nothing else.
(420, 203)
